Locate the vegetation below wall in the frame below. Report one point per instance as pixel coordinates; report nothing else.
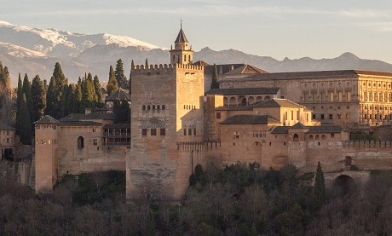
(239, 200)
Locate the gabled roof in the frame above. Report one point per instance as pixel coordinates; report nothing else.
(298, 125)
(244, 91)
(181, 38)
(250, 119)
(246, 69)
(47, 120)
(200, 63)
(277, 102)
(119, 95)
(6, 127)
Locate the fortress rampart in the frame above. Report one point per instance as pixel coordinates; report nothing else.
(162, 68)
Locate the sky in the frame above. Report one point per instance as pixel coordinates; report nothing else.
(276, 28)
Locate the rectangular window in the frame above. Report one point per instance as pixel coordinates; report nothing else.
(331, 97)
(184, 132)
(340, 96)
(218, 115)
(348, 96)
(189, 131)
(313, 116)
(194, 131)
(163, 131)
(332, 135)
(339, 116)
(292, 115)
(348, 116)
(144, 132)
(153, 132)
(331, 116)
(95, 142)
(322, 116)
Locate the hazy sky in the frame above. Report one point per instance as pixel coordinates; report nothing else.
(278, 28)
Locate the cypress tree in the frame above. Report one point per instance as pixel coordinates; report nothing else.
(38, 97)
(112, 82)
(98, 92)
(27, 91)
(55, 94)
(147, 65)
(130, 77)
(19, 99)
(319, 187)
(119, 73)
(24, 122)
(214, 81)
(88, 93)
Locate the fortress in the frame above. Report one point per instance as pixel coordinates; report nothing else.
(178, 122)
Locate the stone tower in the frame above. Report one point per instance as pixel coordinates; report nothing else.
(182, 52)
(166, 111)
(46, 143)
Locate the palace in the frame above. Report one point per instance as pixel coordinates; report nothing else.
(178, 122)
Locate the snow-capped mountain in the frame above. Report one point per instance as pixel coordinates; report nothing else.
(35, 51)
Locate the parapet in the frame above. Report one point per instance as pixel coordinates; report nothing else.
(161, 68)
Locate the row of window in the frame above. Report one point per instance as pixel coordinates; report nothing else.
(377, 97)
(322, 97)
(154, 132)
(347, 116)
(8, 140)
(153, 107)
(46, 126)
(189, 132)
(46, 141)
(377, 117)
(189, 107)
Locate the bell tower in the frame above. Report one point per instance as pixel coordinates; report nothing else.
(182, 52)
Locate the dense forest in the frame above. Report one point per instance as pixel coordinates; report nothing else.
(238, 200)
(58, 98)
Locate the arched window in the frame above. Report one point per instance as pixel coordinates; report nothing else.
(153, 107)
(266, 98)
(311, 137)
(317, 137)
(148, 107)
(243, 101)
(144, 107)
(158, 107)
(295, 138)
(80, 142)
(323, 137)
(163, 107)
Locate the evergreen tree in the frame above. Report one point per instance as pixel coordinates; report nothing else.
(319, 187)
(55, 94)
(98, 92)
(112, 82)
(24, 127)
(147, 65)
(123, 113)
(214, 81)
(88, 93)
(119, 73)
(19, 98)
(130, 77)
(27, 91)
(78, 96)
(117, 110)
(38, 97)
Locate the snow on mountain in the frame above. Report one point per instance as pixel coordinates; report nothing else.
(18, 51)
(56, 43)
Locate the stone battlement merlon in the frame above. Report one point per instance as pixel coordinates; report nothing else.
(152, 69)
(190, 67)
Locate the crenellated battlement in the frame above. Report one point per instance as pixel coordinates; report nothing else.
(162, 68)
(368, 144)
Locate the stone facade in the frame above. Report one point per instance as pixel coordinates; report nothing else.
(7, 142)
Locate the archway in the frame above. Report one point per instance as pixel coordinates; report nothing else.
(343, 185)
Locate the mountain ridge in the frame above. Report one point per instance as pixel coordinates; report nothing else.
(25, 49)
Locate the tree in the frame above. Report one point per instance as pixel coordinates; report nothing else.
(119, 73)
(19, 98)
(27, 91)
(88, 93)
(147, 65)
(38, 97)
(130, 77)
(112, 82)
(214, 81)
(55, 93)
(319, 187)
(98, 92)
(24, 123)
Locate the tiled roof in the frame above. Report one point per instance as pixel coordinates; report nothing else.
(250, 119)
(234, 108)
(90, 116)
(277, 102)
(118, 126)
(80, 123)
(312, 75)
(280, 130)
(226, 68)
(244, 91)
(200, 63)
(246, 69)
(47, 120)
(298, 125)
(119, 95)
(325, 129)
(181, 38)
(6, 127)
